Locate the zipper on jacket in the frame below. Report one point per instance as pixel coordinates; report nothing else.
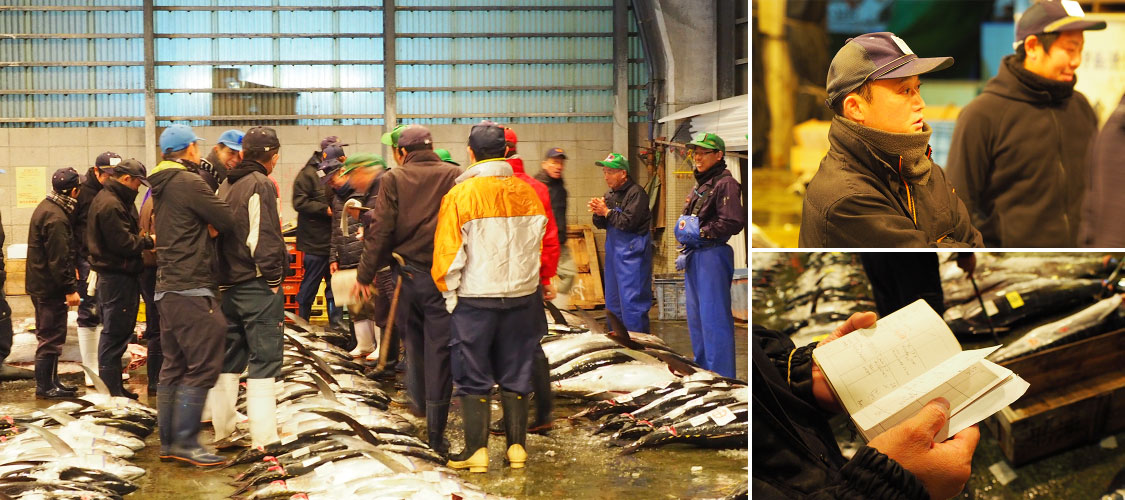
(909, 199)
(1062, 171)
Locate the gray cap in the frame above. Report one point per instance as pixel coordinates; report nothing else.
(134, 168)
(875, 56)
(414, 135)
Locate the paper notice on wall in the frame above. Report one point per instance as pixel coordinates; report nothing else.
(31, 186)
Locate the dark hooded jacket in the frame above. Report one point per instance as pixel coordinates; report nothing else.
(1018, 159)
(795, 452)
(634, 216)
(860, 198)
(346, 249)
(557, 189)
(183, 207)
(50, 252)
(256, 248)
(1104, 202)
(113, 231)
(314, 231)
(717, 199)
(91, 186)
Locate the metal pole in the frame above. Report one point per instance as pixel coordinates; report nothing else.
(621, 77)
(389, 83)
(150, 87)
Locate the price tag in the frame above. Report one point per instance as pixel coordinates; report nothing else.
(300, 452)
(990, 308)
(310, 461)
(1014, 299)
(677, 393)
(288, 439)
(698, 421)
(721, 415)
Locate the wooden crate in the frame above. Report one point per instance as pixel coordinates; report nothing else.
(17, 271)
(587, 292)
(1077, 396)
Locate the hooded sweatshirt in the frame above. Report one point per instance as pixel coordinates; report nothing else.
(256, 248)
(1018, 159)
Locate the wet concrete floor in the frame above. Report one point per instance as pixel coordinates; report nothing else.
(569, 463)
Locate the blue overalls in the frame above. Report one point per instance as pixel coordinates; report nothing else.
(708, 271)
(628, 276)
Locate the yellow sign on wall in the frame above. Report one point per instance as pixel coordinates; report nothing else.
(31, 186)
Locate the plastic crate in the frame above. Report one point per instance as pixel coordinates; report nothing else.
(670, 299)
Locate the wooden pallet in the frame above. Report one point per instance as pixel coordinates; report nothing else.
(587, 292)
(1077, 396)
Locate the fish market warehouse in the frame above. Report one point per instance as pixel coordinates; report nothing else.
(374, 249)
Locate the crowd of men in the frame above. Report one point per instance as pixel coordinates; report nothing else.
(207, 254)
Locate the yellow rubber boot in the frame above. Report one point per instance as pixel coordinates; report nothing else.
(477, 462)
(475, 412)
(515, 427)
(517, 456)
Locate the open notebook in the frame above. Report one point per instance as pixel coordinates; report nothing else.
(883, 375)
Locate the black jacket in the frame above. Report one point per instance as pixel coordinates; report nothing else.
(90, 188)
(1018, 159)
(346, 250)
(634, 216)
(183, 207)
(795, 453)
(405, 213)
(717, 200)
(1103, 202)
(557, 189)
(113, 231)
(255, 248)
(314, 230)
(50, 252)
(858, 199)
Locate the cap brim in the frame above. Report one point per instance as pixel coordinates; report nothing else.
(607, 165)
(1080, 26)
(919, 66)
(144, 180)
(387, 139)
(702, 145)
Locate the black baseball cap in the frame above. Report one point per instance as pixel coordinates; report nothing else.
(64, 179)
(260, 139)
(327, 141)
(134, 168)
(333, 151)
(1052, 16)
(107, 159)
(487, 137)
(875, 56)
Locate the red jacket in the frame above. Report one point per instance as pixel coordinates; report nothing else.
(549, 260)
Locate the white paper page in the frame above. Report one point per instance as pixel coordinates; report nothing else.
(960, 379)
(983, 407)
(867, 364)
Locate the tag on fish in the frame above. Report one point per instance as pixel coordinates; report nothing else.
(288, 439)
(990, 308)
(310, 461)
(721, 415)
(629, 397)
(699, 420)
(300, 452)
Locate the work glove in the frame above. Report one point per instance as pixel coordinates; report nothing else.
(681, 262)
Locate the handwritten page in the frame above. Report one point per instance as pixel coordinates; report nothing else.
(885, 374)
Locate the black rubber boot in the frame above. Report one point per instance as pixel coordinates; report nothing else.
(155, 361)
(45, 367)
(165, 406)
(544, 399)
(515, 427)
(437, 414)
(474, 414)
(111, 375)
(185, 428)
(58, 384)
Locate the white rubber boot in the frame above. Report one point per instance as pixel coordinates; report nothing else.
(88, 347)
(224, 397)
(364, 336)
(261, 405)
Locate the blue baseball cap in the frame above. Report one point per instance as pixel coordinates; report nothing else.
(177, 137)
(232, 139)
(875, 56)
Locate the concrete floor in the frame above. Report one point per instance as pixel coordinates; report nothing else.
(569, 463)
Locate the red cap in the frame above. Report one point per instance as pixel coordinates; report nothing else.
(509, 135)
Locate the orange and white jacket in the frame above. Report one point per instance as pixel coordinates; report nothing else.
(489, 236)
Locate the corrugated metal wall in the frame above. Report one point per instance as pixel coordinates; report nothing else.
(444, 76)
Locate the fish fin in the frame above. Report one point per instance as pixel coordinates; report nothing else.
(325, 390)
(57, 444)
(58, 416)
(556, 314)
(618, 326)
(99, 384)
(363, 432)
(593, 326)
(299, 323)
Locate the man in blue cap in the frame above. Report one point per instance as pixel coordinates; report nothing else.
(877, 186)
(223, 157)
(1018, 156)
(314, 229)
(186, 216)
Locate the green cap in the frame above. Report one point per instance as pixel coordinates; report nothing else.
(362, 160)
(391, 138)
(708, 140)
(614, 160)
(446, 157)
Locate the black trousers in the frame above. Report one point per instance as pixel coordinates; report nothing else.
(5, 326)
(425, 329)
(494, 342)
(898, 279)
(88, 308)
(193, 332)
(254, 329)
(118, 300)
(152, 313)
(50, 325)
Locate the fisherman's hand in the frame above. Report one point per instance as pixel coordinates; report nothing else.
(360, 291)
(329, 209)
(274, 289)
(967, 261)
(549, 291)
(820, 389)
(333, 267)
(72, 299)
(212, 231)
(944, 467)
